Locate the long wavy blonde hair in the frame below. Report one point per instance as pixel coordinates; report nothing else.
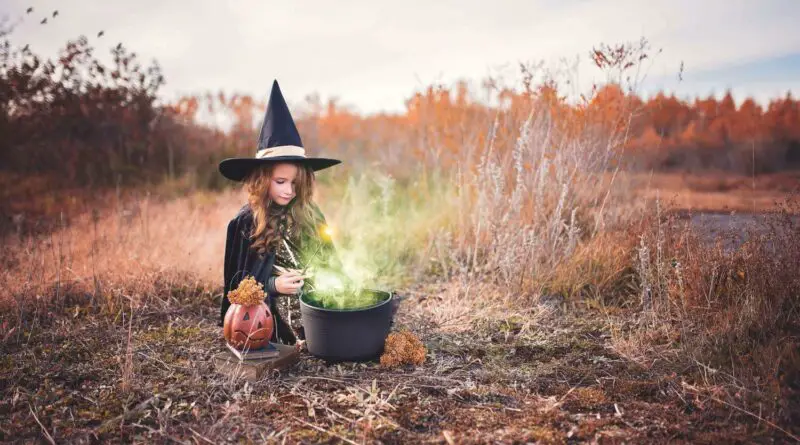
(265, 235)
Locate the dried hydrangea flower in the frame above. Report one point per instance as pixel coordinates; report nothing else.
(249, 292)
(403, 347)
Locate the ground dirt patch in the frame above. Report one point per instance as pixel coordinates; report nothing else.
(556, 382)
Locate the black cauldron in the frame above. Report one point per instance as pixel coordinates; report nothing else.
(339, 335)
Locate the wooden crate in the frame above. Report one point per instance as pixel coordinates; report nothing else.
(252, 370)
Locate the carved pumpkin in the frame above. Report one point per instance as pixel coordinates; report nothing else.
(248, 327)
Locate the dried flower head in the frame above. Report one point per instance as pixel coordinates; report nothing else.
(403, 347)
(249, 292)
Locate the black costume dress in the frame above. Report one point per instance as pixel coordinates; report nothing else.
(287, 255)
(241, 261)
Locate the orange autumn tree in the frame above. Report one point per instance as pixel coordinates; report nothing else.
(446, 128)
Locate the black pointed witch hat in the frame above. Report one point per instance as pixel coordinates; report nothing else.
(278, 141)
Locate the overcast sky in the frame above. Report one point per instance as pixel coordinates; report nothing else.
(374, 54)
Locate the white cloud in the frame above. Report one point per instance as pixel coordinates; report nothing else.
(374, 54)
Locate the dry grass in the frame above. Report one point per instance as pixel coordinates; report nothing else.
(125, 257)
(501, 364)
(508, 379)
(728, 310)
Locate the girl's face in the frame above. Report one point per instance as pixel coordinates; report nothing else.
(282, 187)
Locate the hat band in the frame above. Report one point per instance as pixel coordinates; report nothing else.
(281, 150)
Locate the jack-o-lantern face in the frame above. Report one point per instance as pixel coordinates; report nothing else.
(248, 327)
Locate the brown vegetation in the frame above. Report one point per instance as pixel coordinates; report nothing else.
(249, 292)
(402, 348)
(729, 309)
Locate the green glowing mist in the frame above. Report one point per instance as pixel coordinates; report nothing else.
(380, 228)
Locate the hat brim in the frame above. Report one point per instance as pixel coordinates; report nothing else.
(237, 169)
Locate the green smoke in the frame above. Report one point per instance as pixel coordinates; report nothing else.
(380, 231)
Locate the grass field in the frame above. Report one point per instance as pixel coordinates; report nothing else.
(110, 322)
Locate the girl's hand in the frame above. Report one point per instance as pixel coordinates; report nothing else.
(290, 282)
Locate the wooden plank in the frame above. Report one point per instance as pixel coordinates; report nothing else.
(252, 370)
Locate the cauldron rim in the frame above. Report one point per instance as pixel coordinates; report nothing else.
(317, 308)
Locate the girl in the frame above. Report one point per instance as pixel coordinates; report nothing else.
(278, 232)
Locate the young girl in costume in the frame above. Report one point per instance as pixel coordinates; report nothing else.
(279, 231)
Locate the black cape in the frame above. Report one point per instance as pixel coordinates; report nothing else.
(241, 261)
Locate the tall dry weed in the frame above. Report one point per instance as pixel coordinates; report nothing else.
(525, 209)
